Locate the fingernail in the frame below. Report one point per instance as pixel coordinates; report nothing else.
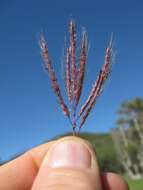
(69, 154)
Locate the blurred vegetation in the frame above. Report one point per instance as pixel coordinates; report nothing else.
(128, 137)
(135, 184)
(105, 151)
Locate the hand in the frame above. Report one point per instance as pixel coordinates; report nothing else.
(68, 163)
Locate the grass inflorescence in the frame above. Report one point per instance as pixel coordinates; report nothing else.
(75, 65)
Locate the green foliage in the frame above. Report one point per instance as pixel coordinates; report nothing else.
(132, 149)
(130, 119)
(135, 184)
(135, 105)
(105, 151)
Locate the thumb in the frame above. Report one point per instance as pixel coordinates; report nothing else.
(69, 164)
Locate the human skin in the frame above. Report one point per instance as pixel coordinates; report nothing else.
(67, 163)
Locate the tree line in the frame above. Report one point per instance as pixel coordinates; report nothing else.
(128, 137)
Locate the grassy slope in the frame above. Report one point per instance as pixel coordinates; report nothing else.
(135, 184)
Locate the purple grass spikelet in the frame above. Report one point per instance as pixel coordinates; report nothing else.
(81, 71)
(50, 70)
(68, 74)
(98, 87)
(73, 56)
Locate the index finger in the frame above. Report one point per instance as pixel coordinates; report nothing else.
(19, 173)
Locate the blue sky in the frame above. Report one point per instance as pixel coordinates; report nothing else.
(29, 113)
